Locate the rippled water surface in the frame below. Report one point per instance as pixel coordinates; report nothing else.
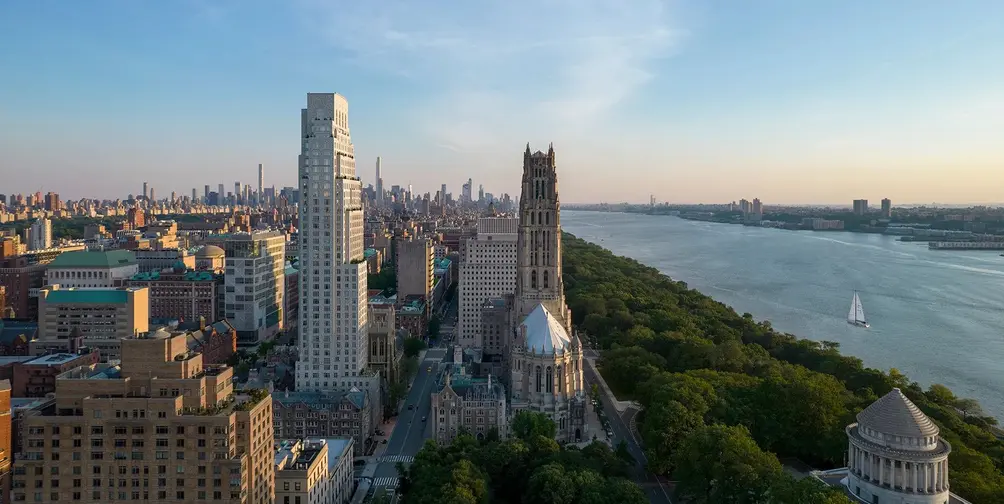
(938, 316)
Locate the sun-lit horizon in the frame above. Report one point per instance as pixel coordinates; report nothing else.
(789, 102)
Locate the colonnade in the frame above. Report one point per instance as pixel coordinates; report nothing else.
(916, 476)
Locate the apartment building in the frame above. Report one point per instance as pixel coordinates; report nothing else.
(354, 414)
(97, 318)
(254, 284)
(185, 295)
(487, 271)
(161, 427)
(415, 264)
(385, 353)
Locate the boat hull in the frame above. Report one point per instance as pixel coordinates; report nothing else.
(858, 323)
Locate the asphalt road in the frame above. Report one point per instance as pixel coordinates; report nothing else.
(410, 432)
(620, 426)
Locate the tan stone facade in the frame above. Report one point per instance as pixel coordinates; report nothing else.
(385, 356)
(100, 316)
(465, 403)
(162, 427)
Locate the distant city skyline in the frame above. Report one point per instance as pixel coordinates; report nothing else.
(789, 102)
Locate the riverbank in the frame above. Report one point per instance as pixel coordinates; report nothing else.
(691, 360)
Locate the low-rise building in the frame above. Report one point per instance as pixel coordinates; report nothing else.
(385, 354)
(326, 414)
(87, 268)
(96, 318)
(164, 259)
(463, 402)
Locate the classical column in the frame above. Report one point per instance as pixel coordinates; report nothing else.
(945, 472)
(881, 471)
(937, 476)
(913, 471)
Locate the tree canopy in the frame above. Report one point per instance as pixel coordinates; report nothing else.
(712, 381)
(530, 468)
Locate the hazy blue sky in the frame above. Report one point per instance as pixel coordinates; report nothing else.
(789, 101)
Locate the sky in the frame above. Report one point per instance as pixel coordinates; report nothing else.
(790, 101)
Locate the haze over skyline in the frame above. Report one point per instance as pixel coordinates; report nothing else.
(787, 101)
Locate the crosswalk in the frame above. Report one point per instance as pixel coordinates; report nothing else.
(396, 458)
(385, 482)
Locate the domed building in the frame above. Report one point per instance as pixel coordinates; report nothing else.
(896, 455)
(210, 258)
(544, 355)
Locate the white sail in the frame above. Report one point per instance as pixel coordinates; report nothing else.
(859, 311)
(852, 315)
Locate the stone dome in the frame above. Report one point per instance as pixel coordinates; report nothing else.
(209, 252)
(545, 334)
(895, 415)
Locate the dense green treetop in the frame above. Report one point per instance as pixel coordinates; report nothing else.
(715, 384)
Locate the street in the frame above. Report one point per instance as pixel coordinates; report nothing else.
(619, 424)
(410, 432)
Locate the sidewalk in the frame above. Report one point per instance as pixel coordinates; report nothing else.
(388, 426)
(620, 406)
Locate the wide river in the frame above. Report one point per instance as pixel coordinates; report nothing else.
(937, 316)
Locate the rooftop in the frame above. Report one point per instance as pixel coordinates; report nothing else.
(56, 359)
(544, 332)
(13, 359)
(188, 276)
(12, 329)
(209, 251)
(90, 296)
(895, 414)
(93, 259)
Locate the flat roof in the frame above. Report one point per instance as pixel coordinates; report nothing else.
(11, 359)
(336, 448)
(53, 359)
(90, 296)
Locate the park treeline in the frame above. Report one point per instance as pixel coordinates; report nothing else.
(528, 467)
(724, 395)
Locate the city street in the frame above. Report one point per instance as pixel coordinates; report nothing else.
(410, 432)
(620, 425)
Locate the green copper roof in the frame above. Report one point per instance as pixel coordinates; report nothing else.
(88, 296)
(97, 259)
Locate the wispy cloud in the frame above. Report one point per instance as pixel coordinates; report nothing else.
(502, 67)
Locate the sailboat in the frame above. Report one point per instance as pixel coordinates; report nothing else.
(857, 313)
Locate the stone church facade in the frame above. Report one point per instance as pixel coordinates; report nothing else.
(544, 355)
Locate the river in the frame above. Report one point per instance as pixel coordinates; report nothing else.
(935, 315)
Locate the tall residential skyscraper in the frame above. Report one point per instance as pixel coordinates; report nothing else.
(333, 319)
(886, 208)
(379, 183)
(144, 190)
(261, 181)
(40, 235)
(222, 195)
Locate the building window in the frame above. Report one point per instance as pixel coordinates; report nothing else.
(538, 378)
(550, 381)
(545, 279)
(533, 279)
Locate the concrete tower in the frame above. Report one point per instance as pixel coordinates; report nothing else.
(333, 323)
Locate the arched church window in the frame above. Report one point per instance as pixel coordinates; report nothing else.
(545, 279)
(547, 218)
(538, 378)
(561, 379)
(539, 219)
(550, 381)
(533, 279)
(531, 218)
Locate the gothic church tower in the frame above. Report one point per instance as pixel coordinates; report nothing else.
(538, 246)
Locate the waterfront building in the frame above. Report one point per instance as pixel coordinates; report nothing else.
(860, 206)
(85, 268)
(895, 455)
(487, 270)
(887, 208)
(96, 318)
(463, 402)
(159, 427)
(253, 283)
(333, 334)
(545, 358)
